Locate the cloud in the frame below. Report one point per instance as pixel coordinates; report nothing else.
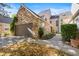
(55, 11)
(11, 11)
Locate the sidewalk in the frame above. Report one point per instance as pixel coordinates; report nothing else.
(57, 43)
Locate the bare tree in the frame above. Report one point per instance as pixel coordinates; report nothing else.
(3, 12)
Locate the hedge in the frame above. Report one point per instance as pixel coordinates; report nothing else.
(40, 32)
(68, 31)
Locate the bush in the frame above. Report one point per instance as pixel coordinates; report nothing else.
(48, 36)
(68, 31)
(77, 34)
(40, 32)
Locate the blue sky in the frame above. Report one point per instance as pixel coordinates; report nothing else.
(56, 8)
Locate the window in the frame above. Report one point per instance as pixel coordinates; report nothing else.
(51, 28)
(6, 28)
(50, 21)
(57, 23)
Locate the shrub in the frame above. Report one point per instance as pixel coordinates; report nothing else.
(68, 31)
(77, 34)
(48, 36)
(40, 32)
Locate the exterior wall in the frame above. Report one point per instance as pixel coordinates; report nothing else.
(0, 29)
(77, 22)
(74, 8)
(4, 29)
(24, 16)
(75, 12)
(54, 27)
(55, 23)
(49, 24)
(45, 14)
(65, 20)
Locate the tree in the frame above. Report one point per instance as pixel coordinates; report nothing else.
(5, 5)
(2, 9)
(12, 25)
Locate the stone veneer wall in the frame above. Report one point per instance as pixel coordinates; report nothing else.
(26, 17)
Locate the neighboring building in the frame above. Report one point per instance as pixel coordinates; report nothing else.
(5, 25)
(75, 14)
(50, 20)
(64, 18)
(55, 20)
(45, 14)
(74, 8)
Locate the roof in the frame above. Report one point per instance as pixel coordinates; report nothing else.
(66, 13)
(33, 13)
(54, 16)
(48, 11)
(4, 19)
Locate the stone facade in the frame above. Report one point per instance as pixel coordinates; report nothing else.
(50, 24)
(27, 23)
(49, 27)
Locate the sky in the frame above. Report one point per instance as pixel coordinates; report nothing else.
(56, 8)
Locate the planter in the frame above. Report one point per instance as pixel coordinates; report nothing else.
(75, 43)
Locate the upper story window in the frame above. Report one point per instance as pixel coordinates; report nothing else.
(6, 28)
(43, 17)
(50, 21)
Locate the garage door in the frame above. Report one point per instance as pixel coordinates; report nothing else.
(22, 30)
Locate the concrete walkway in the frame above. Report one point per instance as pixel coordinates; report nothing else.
(4, 41)
(55, 42)
(58, 44)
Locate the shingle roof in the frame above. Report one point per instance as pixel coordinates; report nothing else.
(47, 11)
(4, 19)
(54, 16)
(32, 12)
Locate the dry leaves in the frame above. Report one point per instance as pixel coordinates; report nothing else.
(29, 49)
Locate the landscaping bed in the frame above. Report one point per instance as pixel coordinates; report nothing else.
(25, 48)
(70, 34)
(48, 36)
(45, 35)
